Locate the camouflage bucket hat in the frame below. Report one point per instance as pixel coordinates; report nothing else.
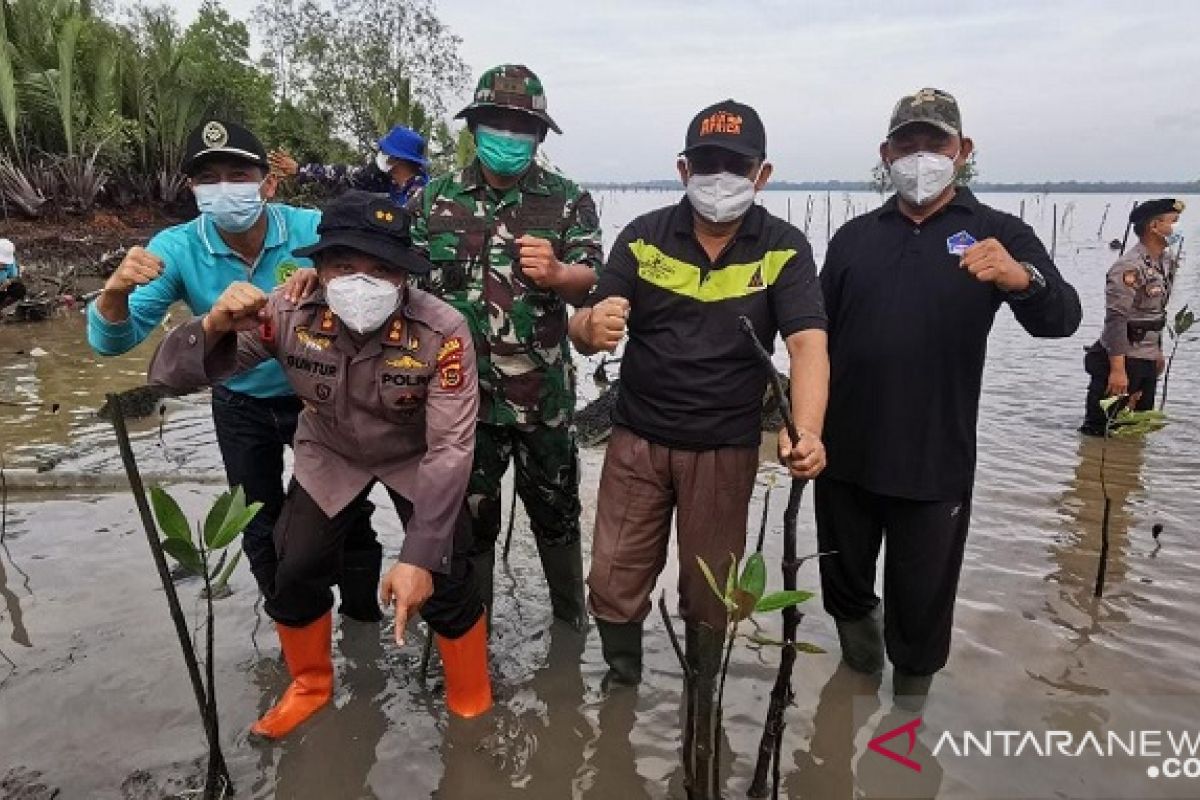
(930, 106)
(512, 86)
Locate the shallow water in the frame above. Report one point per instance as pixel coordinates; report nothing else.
(94, 699)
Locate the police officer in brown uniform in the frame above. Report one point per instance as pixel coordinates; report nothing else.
(387, 375)
(1128, 358)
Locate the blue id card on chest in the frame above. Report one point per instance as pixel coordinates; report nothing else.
(959, 243)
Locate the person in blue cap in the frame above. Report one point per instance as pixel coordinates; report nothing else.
(400, 168)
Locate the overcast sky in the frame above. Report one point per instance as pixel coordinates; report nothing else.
(1049, 89)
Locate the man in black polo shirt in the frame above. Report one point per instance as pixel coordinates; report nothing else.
(686, 424)
(912, 290)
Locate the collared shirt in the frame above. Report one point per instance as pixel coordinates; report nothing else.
(908, 332)
(9, 271)
(398, 407)
(469, 230)
(689, 376)
(1137, 290)
(197, 267)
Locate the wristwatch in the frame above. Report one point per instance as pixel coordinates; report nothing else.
(1036, 282)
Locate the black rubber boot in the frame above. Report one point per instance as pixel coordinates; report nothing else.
(563, 565)
(621, 644)
(704, 647)
(862, 642)
(909, 692)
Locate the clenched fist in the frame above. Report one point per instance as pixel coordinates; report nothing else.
(606, 325)
(138, 268)
(989, 262)
(237, 309)
(539, 263)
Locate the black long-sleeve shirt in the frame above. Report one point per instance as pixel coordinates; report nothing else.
(908, 332)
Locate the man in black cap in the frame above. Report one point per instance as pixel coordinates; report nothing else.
(687, 420)
(387, 375)
(912, 290)
(239, 236)
(1128, 358)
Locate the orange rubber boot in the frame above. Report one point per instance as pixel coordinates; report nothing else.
(307, 652)
(465, 661)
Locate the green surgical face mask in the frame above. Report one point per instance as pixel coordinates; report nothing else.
(504, 152)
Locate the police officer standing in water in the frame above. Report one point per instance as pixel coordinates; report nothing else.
(1128, 358)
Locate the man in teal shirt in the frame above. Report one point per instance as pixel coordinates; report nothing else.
(238, 236)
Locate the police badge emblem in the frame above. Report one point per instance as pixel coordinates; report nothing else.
(215, 135)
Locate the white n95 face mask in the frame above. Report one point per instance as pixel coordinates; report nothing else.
(921, 177)
(721, 197)
(362, 302)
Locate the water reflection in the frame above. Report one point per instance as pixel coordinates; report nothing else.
(334, 757)
(539, 735)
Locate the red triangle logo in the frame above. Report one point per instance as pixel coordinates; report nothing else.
(910, 728)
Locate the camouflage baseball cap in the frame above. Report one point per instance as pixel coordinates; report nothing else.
(930, 106)
(512, 86)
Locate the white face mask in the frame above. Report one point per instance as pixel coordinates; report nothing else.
(383, 161)
(363, 303)
(722, 197)
(921, 177)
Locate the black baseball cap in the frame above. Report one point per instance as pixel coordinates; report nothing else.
(216, 137)
(371, 224)
(729, 125)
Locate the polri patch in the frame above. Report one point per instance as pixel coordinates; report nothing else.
(959, 243)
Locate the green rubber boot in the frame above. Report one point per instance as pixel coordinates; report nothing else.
(621, 644)
(702, 723)
(563, 565)
(862, 642)
(909, 692)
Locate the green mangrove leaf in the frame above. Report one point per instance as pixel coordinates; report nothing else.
(712, 580)
(778, 600)
(223, 579)
(216, 517)
(235, 524)
(185, 553)
(754, 576)
(1108, 402)
(170, 518)
(809, 648)
(731, 579)
(216, 570)
(764, 641)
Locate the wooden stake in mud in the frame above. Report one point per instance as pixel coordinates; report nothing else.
(769, 747)
(1128, 225)
(1103, 219)
(216, 757)
(1054, 234)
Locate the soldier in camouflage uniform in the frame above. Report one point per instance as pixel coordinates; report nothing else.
(1128, 358)
(512, 244)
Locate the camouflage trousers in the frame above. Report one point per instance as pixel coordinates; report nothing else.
(547, 477)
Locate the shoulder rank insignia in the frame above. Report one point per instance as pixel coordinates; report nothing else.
(1129, 277)
(396, 332)
(309, 340)
(327, 322)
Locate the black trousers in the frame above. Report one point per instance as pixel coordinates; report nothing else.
(922, 562)
(310, 545)
(251, 433)
(1143, 377)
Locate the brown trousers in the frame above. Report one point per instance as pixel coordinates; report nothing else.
(640, 486)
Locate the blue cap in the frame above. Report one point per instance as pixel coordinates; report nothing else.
(405, 144)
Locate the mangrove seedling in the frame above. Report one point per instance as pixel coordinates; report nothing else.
(224, 523)
(1183, 322)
